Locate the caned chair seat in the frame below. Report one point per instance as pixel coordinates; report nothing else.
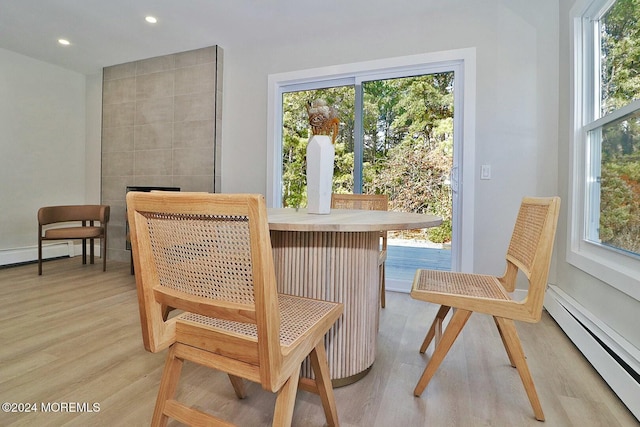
(460, 284)
(298, 316)
(529, 253)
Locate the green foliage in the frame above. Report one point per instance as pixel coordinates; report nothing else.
(416, 171)
(621, 53)
(407, 144)
(295, 135)
(440, 234)
(620, 167)
(620, 205)
(343, 169)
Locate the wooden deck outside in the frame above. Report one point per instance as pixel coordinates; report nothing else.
(403, 261)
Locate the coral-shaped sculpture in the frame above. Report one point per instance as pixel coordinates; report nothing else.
(323, 119)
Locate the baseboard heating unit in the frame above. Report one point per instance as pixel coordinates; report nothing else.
(615, 359)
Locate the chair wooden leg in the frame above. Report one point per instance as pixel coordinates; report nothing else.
(168, 385)
(166, 310)
(456, 324)
(39, 256)
(320, 368)
(506, 347)
(84, 251)
(435, 329)
(91, 251)
(512, 342)
(238, 386)
(286, 400)
(383, 299)
(103, 252)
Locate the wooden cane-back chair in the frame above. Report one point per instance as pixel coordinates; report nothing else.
(530, 252)
(209, 256)
(372, 202)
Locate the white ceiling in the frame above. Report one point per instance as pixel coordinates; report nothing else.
(109, 32)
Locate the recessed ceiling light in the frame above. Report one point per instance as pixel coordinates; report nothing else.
(151, 19)
(64, 42)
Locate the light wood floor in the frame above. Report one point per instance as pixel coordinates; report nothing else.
(73, 335)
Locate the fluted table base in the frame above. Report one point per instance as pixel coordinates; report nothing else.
(342, 267)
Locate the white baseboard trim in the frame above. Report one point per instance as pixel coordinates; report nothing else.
(597, 342)
(50, 250)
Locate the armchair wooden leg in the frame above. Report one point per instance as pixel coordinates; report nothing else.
(39, 256)
(456, 324)
(103, 252)
(286, 400)
(168, 385)
(512, 342)
(320, 368)
(435, 329)
(91, 251)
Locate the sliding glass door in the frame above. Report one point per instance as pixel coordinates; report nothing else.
(397, 137)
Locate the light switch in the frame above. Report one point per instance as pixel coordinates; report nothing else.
(485, 172)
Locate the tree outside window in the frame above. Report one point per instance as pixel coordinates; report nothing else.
(615, 139)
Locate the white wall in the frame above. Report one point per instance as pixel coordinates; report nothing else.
(42, 144)
(517, 61)
(93, 153)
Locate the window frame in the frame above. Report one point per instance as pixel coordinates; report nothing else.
(612, 266)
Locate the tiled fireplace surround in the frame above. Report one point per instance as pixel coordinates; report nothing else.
(160, 127)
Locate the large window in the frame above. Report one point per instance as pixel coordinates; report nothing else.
(606, 178)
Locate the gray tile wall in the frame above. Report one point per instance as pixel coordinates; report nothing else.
(160, 127)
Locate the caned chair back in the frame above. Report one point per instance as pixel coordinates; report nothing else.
(379, 202)
(530, 249)
(208, 255)
(370, 202)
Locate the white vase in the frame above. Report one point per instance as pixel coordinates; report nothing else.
(320, 155)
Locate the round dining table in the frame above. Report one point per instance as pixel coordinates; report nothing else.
(334, 257)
